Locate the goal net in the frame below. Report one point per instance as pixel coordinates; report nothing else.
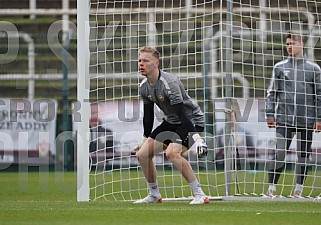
(224, 53)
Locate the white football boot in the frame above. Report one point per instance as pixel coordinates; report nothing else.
(149, 199)
(200, 200)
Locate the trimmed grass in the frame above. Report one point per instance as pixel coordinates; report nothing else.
(50, 198)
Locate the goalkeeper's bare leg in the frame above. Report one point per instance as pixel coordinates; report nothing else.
(174, 153)
(145, 156)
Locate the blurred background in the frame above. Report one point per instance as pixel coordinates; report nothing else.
(38, 64)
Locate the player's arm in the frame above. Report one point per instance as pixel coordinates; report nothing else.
(148, 118)
(317, 81)
(201, 147)
(177, 103)
(148, 122)
(186, 122)
(271, 101)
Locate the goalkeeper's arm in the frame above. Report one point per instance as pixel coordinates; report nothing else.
(201, 146)
(186, 122)
(148, 122)
(148, 118)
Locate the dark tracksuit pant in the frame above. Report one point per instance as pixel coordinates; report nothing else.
(284, 136)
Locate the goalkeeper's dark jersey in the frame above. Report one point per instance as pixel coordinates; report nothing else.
(168, 91)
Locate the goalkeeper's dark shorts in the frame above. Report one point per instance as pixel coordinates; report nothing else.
(174, 133)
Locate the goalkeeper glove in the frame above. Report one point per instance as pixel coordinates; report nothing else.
(137, 147)
(201, 146)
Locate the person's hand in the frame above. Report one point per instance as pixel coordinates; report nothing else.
(271, 122)
(201, 146)
(201, 149)
(137, 147)
(317, 126)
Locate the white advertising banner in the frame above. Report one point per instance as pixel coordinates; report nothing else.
(27, 129)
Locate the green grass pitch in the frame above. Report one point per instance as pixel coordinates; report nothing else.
(50, 198)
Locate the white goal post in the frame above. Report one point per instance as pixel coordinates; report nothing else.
(224, 53)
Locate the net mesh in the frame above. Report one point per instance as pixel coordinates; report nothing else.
(219, 62)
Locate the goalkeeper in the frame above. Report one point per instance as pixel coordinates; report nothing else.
(293, 106)
(183, 119)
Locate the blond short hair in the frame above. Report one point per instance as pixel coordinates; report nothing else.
(151, 50)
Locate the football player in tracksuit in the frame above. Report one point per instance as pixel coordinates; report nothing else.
(293, 106)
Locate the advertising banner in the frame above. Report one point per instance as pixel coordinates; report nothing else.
(27, 131)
